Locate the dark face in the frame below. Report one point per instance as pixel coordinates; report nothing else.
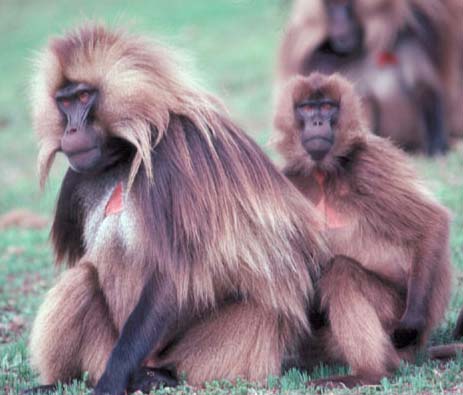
(317, 117)
(86, 145)
(344, 30)
(81, 142)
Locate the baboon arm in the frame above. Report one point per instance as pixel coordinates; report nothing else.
(426, 264)
(413, 321)
(429, 262)
(396, 208)
(144, 329)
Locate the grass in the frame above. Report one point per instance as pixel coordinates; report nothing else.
(234, 43)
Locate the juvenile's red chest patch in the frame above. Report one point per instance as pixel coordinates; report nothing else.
(333, 219)
(386, 59)
(115, 203)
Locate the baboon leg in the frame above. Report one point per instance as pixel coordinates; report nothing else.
(459, 327)
(361, 307)
(433, 111)
(72, 332)
(239, 340)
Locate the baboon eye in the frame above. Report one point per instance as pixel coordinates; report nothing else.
(65, 103)
(308, 107)
(326, 107)
(84, 97)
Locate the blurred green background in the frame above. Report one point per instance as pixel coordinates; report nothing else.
(234, 45)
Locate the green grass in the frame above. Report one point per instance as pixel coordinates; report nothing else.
(234, 44)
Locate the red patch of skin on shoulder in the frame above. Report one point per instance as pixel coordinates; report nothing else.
(115, 203)
(333, 219)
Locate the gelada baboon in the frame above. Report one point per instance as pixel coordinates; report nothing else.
(400, 54)
(388, 284)
(186, 249)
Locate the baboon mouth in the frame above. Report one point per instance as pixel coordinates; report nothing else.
(82, 152)
(84, 160)
(314, 138)
(317, 147)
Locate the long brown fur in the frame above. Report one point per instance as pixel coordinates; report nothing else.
(204, 212)
(388, 235)
(381, 88)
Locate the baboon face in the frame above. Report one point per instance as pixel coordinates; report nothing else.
(344, 29)
(81, 141)
(84, 141)
(317, 116)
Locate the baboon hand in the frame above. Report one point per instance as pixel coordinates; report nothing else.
(145, 379)
(408, 331)
(109, 385)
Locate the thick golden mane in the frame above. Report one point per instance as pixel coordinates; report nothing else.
(140, 81)
(211, 209)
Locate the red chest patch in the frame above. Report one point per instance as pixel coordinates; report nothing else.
(333, 219)
(115, 203)
(386, 59)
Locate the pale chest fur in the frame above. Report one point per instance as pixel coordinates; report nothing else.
(112, 222)
(350, 234)
(111, 242)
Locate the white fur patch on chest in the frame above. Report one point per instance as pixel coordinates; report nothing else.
(111, 225)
